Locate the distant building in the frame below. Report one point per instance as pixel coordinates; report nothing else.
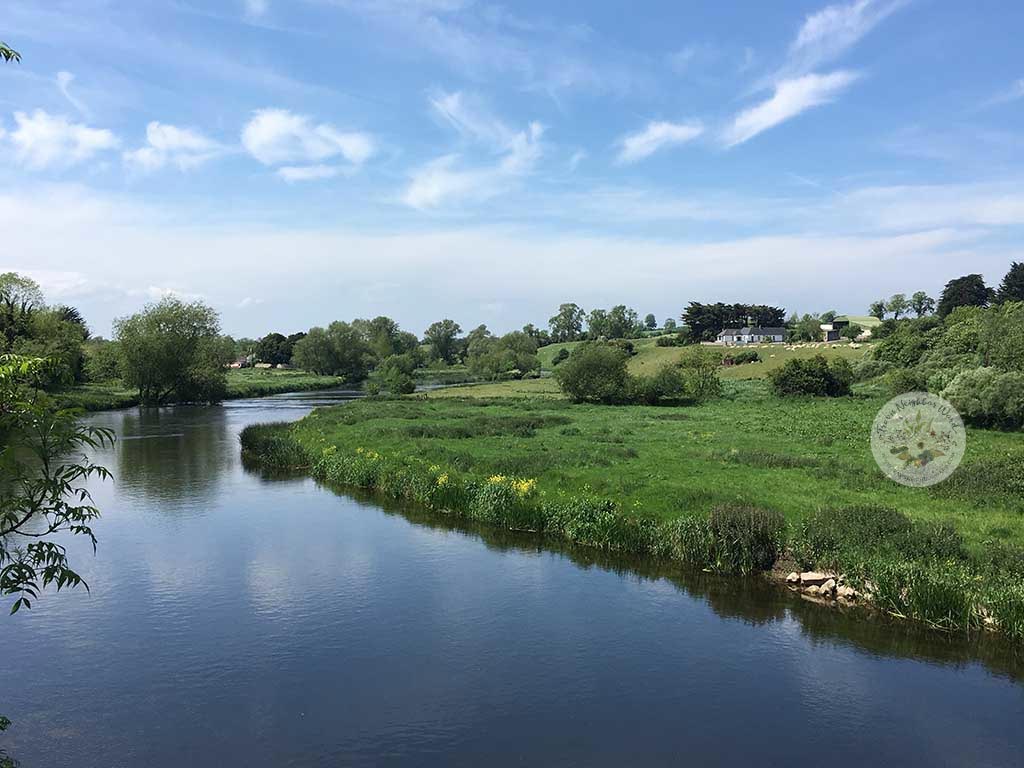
(834, 331)
(751, 335)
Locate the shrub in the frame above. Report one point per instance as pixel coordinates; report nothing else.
(742, 357)
(667, 340)
(903, 380)
(986, 397)
(700, 372)
(815, 376)
(746, 539)
(667, 383)
(871, 369)
(560, 357)
(596, 373)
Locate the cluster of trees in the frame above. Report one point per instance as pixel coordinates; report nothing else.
(572, 323)
(706, 321)
(971, 351)
(596, 372)
(899, 305)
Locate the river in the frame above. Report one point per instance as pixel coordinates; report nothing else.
(236, 620)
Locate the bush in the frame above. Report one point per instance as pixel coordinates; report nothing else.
(871, 369)
(668, 383)
(815, 376)
(700, 372)
(746, 539)
(679, 339)
(742, 357)
(595, 373)
(988, 398)
(903, 380)
(560, 357)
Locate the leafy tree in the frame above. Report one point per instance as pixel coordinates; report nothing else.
(828, 317)
(700, 367)
(877, 309)
(514, 354)
(922, 303)
(340, 350)
(172, 350)
(50, 336)
(623, 323)
(667, 383)
(274, 348)
(966, 291)
(102, 360)
(441, 336)
(898, 305)
(20, 298)
(1012, 287)
(71, 315)
(851, 331)
(395, 373)
(541, 336)
(595, 373)
(669, 324)
(597, 324)
(807, 328)
(650, 322)
(567, 325)
(8, 54)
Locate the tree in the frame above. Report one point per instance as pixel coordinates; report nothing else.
(623, 323)
(922, 303)
(669, 324)
(828, 317)
(20, 298)
(650, 321)
(441, 337)
(1012, 287)
(512, 355)
(339, 350)
(707, 320)
(966, 291)
(274, 348)
(8, 54)
(596, 373)
(851, 331)
(172, 350)
(807, 328)
(567, 325)
(877, 309)
(597, 324)
(897, 304)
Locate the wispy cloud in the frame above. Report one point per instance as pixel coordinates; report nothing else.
(294, 173)
(657, 135)
(64, 80)
(44, 141)
(256, 9)
(791, 97)
(1013, 93)
(829, 33)
(449, 178)
(184, 148)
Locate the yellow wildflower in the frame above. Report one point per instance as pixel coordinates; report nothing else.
(442, 479)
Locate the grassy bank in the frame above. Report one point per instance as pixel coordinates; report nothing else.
(728, 485)
(247, 382)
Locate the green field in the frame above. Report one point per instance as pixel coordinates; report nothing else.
(649, 357)
(246, 382)
(748, 447)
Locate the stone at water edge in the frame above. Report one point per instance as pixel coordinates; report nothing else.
(793, 578)
(813, 578)
(846, 593)
(812, 590)
(828, 587)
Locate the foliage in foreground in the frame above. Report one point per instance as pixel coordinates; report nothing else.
(43, 493)
(816, 376)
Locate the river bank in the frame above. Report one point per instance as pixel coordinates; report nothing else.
(241, 384)
(666, 483)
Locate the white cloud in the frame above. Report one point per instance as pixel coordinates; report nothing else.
(168, 144)
(64, 80)
(829, 33)
(791, 97)
(657, 135)
(277, 136)
(249, 301)
(440, 181)
(471, 119)
(42, 141)
(293, 173)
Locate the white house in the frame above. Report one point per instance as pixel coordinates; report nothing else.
(750, 335)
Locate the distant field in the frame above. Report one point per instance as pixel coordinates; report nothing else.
(649, 357)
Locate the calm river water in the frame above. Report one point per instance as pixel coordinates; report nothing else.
(241, 621)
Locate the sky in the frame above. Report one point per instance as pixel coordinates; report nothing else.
(295, 162)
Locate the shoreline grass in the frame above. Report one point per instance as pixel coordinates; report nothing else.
(719, 486)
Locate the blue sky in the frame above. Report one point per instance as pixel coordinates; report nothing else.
(293, 162)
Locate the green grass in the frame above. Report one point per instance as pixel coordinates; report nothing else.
(793, 455)
(721, 485)
(650, 357)
(247, 382)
